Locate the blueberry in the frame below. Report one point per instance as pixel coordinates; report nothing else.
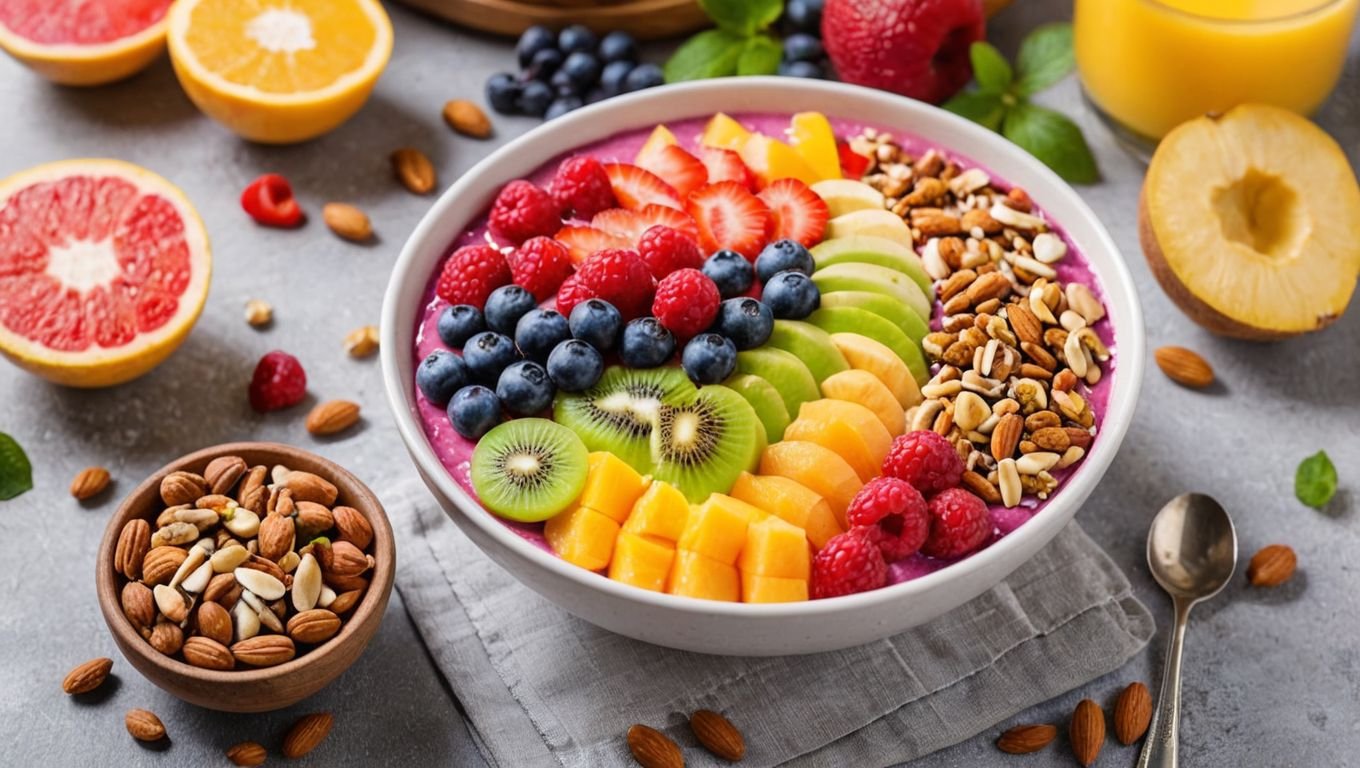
(563, 86)
(533, 40)
(474, 410)
(459, 323)
(745, 321)
(618, 46)
(597, 323)
(730, 271)
(613, 76)
(781, 255)
(539, 331)
(646, 344)
(535, 98)
(545, 63)
(505, 306)
(643, 76)
(801, 69)
(803, 47)
(709, 358)
(596, 94)
(583, 69)
(440, 375)
(575, 366)
(804, 15)
(486, 355)
(576, 38)
(562, 105)
(790, 295)
(525, 389)
(503, 92)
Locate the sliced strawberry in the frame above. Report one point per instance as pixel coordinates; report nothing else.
(729, 216)
(635, 187)
(796, 211)
(652, 215)
(853, 164)
(621, 222)
(583, 241)
(677, 168)
(726, 165)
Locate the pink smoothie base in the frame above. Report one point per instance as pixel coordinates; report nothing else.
(455, 452)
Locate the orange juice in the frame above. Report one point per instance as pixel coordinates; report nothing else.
(1153, 64)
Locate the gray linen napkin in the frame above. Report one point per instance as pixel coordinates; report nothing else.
(543, 688)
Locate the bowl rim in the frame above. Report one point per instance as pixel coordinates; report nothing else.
(1116, 282)
(374, 600)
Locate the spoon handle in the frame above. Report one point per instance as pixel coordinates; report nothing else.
(1159, 750)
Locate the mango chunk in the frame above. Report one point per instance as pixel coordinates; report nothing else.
(772, 589)
(641, 561)
(790, 501)
(812, 137)
(694, 575)
(818, 468)
(660, 138)
(612, 487)
(583, 537)
(775, 548)
(660, 513)
(725, 133)
(716, 528)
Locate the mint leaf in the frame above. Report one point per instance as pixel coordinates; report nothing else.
(985, 109)
(711, 53)
(1045, 57)
(743, 17)
(1054, 139)
(760, 56)
(990, 69)
(1315, 480)
(16, 474)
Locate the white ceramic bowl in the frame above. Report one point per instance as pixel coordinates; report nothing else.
(734, 628)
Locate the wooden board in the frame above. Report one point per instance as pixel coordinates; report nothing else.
(644, 19)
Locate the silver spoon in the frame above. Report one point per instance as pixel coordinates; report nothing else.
(1192, 551)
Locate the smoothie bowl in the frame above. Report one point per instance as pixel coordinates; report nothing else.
(736, 378)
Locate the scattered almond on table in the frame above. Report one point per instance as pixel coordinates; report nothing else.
(653, 749)
(87, 676)
(332, 417)
(1272, 566)
(1024, 739)
(259, 313)
(1132, 713)
(717, 734)
(307, 734)
(347, 221)
(414, 170)
(1086, 731)
(362, 341)
(1184, 366)
(89, 482)
(247, 753)
(144, 725)
(467, 118)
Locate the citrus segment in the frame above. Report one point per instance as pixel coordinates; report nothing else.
(83, 42)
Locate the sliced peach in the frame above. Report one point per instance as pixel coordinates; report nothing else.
(641, 561)
(849, 429)
(612, 487)
(865, 354)
(694, 575)
(818, 468)
(583, 537)
(772, 589)
(775, 548)
(659, 513)
(790, 501)
(862, 387)
(725, 133)
(812, 137)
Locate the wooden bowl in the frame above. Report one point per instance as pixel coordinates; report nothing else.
(251, 690)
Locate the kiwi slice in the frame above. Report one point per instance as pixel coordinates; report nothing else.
(702, 442)
(617, 414)
(529, 470)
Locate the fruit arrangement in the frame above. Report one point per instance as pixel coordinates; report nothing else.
(721, 366)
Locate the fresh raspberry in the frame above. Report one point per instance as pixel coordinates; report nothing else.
(522, 211)
(571, 293)
(959, 524)
(686, 302)
(892, 514)
(471, 274)
(667, 250)
(849, 563)
(581, 187)
(278, 382)
(924, 459)
(269, 201)
(621, 278)
(540, 265)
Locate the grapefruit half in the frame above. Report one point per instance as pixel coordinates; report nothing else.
(83, 42)
(104, 268)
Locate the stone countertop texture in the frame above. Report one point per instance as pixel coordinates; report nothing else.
(1272, 677)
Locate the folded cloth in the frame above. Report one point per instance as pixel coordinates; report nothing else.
(543, 688)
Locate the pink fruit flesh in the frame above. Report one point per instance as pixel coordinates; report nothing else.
(79, 22)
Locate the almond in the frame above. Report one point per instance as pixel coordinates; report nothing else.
(276, 537)
(315, 626)
(87, 676)
(467, 118)
(718, 735)
(1087, 731)
(312, 520)
(1024, 739)
(345, 601)
(207, 653)
(134, 541)
(1051, 438)
(223, 472)
(332, 416)
(256, 563)
(347, 560)
(264, 650)
(160, 563)
(251, 494)
(353, 526)
(362, 341)
(144, 725)
(1132, 713)
(347, 221)
(1006, 436)
(1184, 367)
(247, 753)
(307, 734)
(654, 749)
(214, 622)
(1025, 324)
(1272, 566)
(182, 488)
(981, 487)
(414, 170)
(223, 590)
(89, 482)
(139, 605)
(309, 487)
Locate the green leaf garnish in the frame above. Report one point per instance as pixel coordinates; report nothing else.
(1315, 480)
(760, 56)
(743, 17)
(985, 109)
(739, 46)
(16, 474)
(990, 68)
(1045, 58)
(1054, 139)
(711, 53)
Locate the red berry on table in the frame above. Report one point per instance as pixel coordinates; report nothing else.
(959, 524)
(892, 514)
(666, 250)
(278, 382)
(621, 278)
(926, 460)
(796, 212)
(729, 216)
(522, 211)
(581, 187)
(269, 201)
(471, 274)
(678, 168)
(572, 292)
(726, 165)
(686, 303)
(539, 266)
(849, 563)
(581, 242)
(636, 187)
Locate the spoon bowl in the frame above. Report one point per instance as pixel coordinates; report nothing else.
(1192, 547)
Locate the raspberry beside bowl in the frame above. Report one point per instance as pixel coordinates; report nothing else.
(738, 628)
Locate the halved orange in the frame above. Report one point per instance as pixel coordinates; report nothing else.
(83, 42)
(279, 71)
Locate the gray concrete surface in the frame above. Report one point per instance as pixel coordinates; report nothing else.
(1272, 678)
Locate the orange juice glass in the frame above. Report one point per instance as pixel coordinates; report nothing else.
(1150, 65)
